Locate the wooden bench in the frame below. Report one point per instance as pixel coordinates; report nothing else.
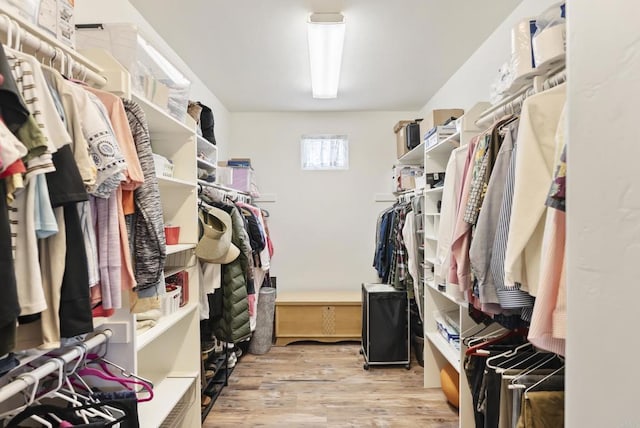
(326, 316)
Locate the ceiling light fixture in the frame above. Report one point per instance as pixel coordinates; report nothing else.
(326, 39)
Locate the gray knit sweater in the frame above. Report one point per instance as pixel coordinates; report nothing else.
(149, 247)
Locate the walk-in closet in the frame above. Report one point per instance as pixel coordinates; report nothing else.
(302, 213)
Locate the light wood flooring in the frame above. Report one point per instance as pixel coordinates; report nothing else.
(324, 385)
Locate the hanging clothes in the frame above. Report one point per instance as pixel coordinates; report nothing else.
(80, 146)
(413, 262)
(480, 251)
(384, 244)
(9, 306)
(233, 323)
(549, 320)
(149, 245)
(399, 277)
(534, 169)
(459, 269)
(453, 178)
(510, 298)
(390, 258)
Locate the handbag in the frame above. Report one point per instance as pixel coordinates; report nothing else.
(412, 134)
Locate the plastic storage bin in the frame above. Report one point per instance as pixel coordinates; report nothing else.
(171, 300)
(152, 75)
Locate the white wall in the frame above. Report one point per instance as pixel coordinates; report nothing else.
(121, 11)
(603, 246)
(323, 222)
(472, 82)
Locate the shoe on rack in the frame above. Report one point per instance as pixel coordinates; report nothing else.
(207, 346)
(232, 360)
(219, 347)
(205, 400)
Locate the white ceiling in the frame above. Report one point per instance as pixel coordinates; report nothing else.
(253, 53)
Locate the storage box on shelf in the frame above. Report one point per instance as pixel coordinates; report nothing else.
(438, 117)
(439, 133)
(238, 174)
(406, 177)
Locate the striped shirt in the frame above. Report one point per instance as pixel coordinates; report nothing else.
(509, 297)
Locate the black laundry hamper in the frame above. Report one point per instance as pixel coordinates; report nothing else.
(385, 326)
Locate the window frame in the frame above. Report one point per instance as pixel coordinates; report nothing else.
(306, 139)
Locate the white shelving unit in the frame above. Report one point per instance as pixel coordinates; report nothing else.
(438, 299)
(168, 354)
(207, 156)
(182, 392)
(177, 248)
(413, 157)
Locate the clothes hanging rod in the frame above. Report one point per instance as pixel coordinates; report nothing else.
(38, 42)
(23, 382)
(223, 188)
(513, 104)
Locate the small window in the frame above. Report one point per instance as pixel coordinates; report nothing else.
(319, 152)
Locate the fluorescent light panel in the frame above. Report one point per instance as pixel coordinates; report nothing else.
(326, 40)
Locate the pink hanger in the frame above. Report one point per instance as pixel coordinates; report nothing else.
(90, 371)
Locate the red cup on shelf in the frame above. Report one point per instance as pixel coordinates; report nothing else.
(172, 234)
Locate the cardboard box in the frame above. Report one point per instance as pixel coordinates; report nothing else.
(438, 134)
(438, 117)
(405, 177)
(400, 129)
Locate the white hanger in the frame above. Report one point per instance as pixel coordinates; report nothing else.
(514, 384)
(30, 400)
(9, 29)
(18, 40)
(544, 379)
(508, 353)
(70, 64)
(62, 59)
